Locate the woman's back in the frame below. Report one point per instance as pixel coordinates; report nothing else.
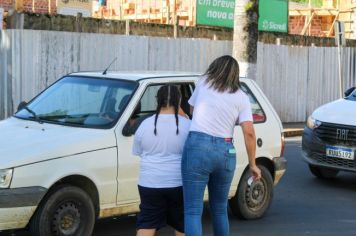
(216, 113)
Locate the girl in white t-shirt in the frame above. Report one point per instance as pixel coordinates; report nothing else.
(209, 156)
(159, 141)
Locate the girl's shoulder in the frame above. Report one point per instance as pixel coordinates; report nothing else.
(146, 121)
(185, 121)
(149, 119)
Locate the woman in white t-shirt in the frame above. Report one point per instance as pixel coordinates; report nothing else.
(209, 156)
(159, 141)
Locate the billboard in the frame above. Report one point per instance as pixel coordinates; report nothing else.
(215, 13)
(273, 15)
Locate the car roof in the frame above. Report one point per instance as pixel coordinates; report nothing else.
(136, 75)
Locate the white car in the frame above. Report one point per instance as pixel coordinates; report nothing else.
(65, 160)
(329, 139)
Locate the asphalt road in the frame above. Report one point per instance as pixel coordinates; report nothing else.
(302, 205)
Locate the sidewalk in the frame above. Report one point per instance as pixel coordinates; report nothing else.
(293, 129)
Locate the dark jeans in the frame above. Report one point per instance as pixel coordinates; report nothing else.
(207, 161)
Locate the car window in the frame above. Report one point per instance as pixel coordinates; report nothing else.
(148, 100)
(80, 101)
(258, 114)
(88, 99)
(148, 104)
(122, 95)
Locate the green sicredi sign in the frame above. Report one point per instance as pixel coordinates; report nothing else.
(216, 13)
(273, 15)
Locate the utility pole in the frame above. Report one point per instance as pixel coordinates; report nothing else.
(174, 11)
(246, 37)
(49, 7)
(340, 41)
(307, 18)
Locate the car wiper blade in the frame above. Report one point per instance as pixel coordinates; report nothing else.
(32, 113)
(48, 118)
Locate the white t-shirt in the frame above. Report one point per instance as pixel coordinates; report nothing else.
(161, 155)
(216, 113)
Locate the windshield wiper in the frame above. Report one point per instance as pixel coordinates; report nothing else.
(33, 113)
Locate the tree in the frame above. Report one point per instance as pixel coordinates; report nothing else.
(246, 36)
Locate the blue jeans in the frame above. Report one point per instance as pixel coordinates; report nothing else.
(207, 161)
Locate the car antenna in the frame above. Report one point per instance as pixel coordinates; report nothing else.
(106, 70)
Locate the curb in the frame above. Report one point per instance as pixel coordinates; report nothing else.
(293, 132)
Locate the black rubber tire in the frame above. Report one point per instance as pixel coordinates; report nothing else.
(323, 173)
(65, 206)
(243, 205)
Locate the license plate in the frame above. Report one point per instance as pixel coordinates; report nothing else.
(339, 152)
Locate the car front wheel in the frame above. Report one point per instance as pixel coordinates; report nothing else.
(66, 211)
(251, 202)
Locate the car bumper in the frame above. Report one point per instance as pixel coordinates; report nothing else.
(314, 153)
(280, 166)
(18, 205)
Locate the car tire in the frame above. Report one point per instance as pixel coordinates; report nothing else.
(251, 202)
(323, 173)
(66, 211)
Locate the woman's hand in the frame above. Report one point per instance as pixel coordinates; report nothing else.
(256, 172)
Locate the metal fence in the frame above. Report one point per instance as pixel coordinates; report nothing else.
(295, 79)
(32, 60)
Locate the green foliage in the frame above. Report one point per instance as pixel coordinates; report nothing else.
(314, 3)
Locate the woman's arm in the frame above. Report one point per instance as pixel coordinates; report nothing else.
(250, 143)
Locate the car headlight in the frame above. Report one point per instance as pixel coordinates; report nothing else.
(313, 123)
(5, 178)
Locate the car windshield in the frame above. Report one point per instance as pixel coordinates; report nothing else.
(80, 101)
(352, 96)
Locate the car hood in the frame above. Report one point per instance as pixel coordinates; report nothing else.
(341, 111)
(24, 142)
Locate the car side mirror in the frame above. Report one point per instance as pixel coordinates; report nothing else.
(21, 105)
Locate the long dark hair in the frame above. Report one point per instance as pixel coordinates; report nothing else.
(168, 95)
(223, 74)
